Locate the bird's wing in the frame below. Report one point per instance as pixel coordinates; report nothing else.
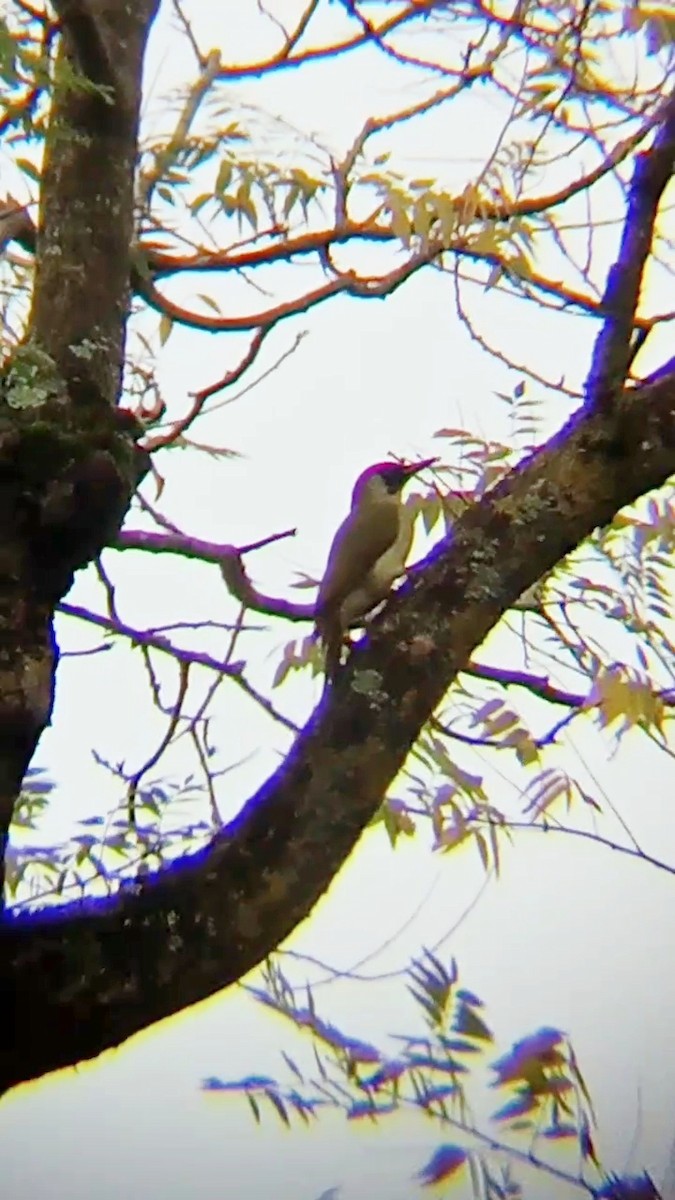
(402, 546)
(361, 539)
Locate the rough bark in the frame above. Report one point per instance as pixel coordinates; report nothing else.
(81, 979)
(68, 465)
(113, 969)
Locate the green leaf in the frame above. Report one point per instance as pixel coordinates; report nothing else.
(290, 200)
(198, 203)
(29, 169)
(469, 1024)
(401, 225)
(421, 219)
(165, 328)
(224, 176)
(278, 1104)
(485, 859)
(446, 212)
(443, 1164)
(209, 302)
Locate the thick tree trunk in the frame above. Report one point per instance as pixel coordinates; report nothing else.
(67, 466)
(79, 980)
(114, 968)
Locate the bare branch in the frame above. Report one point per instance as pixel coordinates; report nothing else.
(229, 560)
(540, 685)
(348, 284)
(187, 30)
(347, 232)
(281, 852)
(296, 34)
(164, 158)
(547, 825)
(283, 60)
(612, 353)
(158, 440)
(167, 737)
(141, 637)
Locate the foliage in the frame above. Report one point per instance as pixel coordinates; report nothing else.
(245, 223)
(440, 1074)
(103, 851)
(267, 190)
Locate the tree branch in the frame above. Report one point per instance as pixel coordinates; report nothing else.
(186, 658)
(283, 60)
(539, 685)
(168, 942)
(612, 353)
(347, 232)
(81, 293)
(228, 558)
(68, 466)
(164, 159)
(82, 978)
(158, 440)
(545, 825)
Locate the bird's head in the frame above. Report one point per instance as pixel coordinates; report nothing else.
(386, 479)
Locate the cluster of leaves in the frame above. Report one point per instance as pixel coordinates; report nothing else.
(246, 186)
(622, 575)
(102, 851)
(435, 1074)
(242, 189)
(437, 787)
(420, 212)
(230, 178)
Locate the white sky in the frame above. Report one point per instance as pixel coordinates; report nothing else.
(570, 936)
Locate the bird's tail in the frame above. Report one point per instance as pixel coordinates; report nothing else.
(330, 634)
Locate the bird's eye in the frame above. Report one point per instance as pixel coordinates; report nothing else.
(395, 478)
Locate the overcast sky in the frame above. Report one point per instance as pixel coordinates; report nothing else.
(570, 936)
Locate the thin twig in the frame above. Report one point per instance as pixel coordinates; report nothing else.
(160, 440)
(164, 159)
(139, 637)
(612, 353)
(590, 835)
(229, 560)
(132, 792)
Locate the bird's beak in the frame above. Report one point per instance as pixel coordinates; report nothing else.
(415, 468)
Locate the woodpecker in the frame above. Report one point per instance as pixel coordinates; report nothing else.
(367, 555)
